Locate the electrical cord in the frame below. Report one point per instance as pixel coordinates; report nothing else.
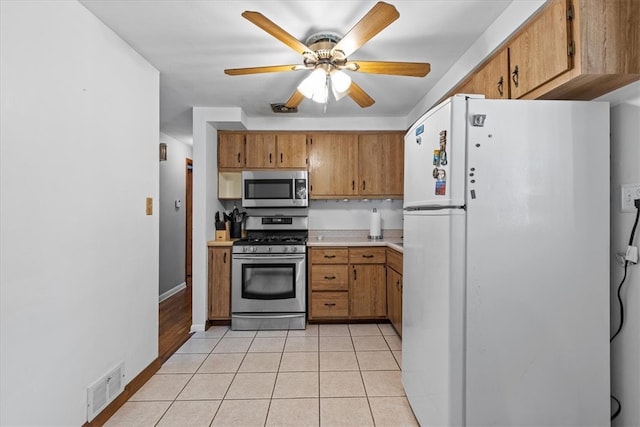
(626, 264)
(636, 203)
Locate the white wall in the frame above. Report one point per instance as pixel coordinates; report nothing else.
(79, 257)
(173, 219)
(625, 169)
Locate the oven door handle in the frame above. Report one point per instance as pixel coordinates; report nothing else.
(268, 257)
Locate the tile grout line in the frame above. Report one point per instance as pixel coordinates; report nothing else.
(189, 380)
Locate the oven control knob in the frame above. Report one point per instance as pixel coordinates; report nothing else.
(285, 249)
(254, 249)
(294, 249)
(269, 249)
(244, 249)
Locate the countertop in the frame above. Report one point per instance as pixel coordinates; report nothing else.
(220, 242)
(319, 238)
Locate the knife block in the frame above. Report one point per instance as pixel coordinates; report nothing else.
(223, 235)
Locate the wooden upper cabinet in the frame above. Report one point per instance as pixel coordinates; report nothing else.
(381, 164)
(541, 51)
(260, 151)
(571, 49)
(333, 165)
(230, 151)
(493, 78)
(291, 150)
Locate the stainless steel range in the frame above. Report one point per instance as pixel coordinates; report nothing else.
(269, 270)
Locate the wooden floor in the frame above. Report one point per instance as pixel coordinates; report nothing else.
(175, 322)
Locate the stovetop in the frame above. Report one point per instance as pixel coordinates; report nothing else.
(272, 240)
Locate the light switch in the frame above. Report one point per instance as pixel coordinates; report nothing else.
(149, 205)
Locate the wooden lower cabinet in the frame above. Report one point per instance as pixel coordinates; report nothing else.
(328, 283)
(394, 299)
(329, 305)
(367, 291)
(394, 289)
(347, 283)
(219, 283)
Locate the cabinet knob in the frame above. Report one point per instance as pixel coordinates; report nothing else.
(224, 258)
(329, 256)
(329, 304)
(269, 157)
(501, 86)
(281, 158)
(329, 277)
(367, 256)
(355, 274)
(238, 157)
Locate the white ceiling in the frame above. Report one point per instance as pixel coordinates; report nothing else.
(192, 42)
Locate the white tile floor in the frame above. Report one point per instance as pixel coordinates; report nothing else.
(326, 375)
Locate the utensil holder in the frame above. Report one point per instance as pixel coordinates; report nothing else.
(236, 230)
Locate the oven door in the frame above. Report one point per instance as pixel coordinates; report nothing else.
(268, 283)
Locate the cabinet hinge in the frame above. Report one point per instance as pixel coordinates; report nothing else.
(571, 48)
(569, 12)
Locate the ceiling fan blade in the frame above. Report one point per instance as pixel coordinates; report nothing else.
(412, 69)
(360, 96)
(270, 27)
(295, 100)
(376, 20)
(258, 70)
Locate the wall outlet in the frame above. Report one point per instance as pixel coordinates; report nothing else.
(630, 192)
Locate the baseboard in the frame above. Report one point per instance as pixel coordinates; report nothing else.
(171, 292)
(200, 327)
(129, 390)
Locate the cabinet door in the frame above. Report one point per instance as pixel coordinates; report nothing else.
(260, 151)
(220, 283)
(381, 164)
(540, 51)
(493, 78)
(333, 165)
(367, 291)
(394, 299)
(292, 151)
(230, 150)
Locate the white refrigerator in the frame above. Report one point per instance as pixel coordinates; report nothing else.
(506, 264)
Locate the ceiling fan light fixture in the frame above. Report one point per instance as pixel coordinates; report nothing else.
(340, 83)
(314, 87)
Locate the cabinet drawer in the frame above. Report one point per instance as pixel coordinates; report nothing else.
(329, 255)
(330, 304)
(329, 278)
(367, 255)
(394, 260)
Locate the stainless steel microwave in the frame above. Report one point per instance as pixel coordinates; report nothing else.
(275, 189)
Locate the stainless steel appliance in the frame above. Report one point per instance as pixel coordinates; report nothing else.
(269, 270)
(275, 189)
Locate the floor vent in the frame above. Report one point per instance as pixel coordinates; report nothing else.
(103, 391)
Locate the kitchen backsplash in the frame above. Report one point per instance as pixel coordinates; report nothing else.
(353, 214)
(347, 215)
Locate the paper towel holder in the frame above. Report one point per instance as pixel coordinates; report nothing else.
(375, 237)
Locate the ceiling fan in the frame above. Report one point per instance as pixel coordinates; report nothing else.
(325, 54)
